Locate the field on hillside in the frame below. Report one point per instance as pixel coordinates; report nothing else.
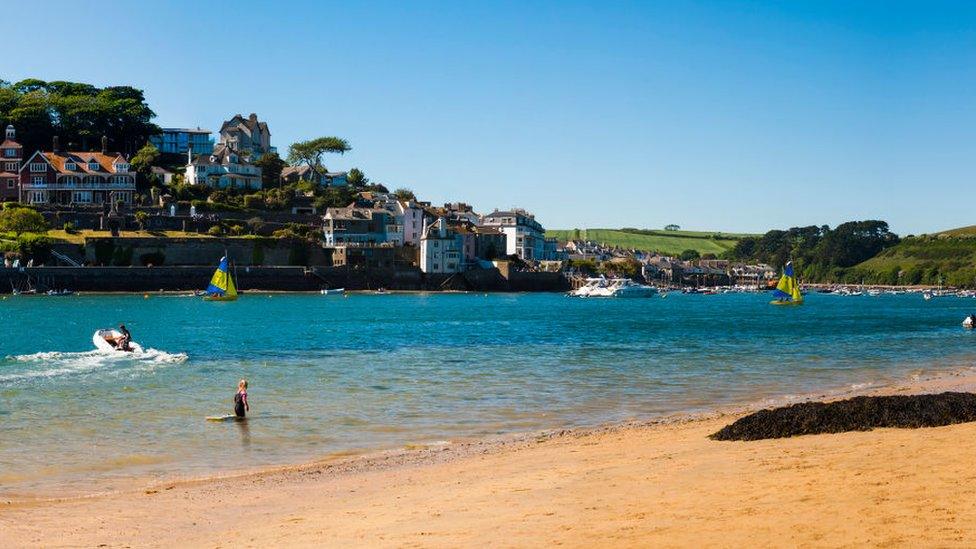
(665, 242)
(941, 258)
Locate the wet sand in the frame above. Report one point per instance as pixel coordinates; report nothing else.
(662, 484)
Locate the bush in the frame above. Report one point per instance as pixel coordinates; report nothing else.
(215, 231)
(22, 220)
(34, 246)
(254, 202)
(15, 205)
(70, 227)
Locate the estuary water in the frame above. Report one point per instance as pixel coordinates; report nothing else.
(333, 375)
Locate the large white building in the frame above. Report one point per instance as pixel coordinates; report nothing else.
(223, 168)
(440, 249)
(524, 236)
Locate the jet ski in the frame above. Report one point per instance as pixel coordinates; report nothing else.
(108, 340)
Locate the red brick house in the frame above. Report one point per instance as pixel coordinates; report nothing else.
(76, 178)
(11, 155)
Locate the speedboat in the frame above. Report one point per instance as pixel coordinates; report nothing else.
(969, 322)
(625, 287)
(594, 287)
(333, 291)
(108, 340)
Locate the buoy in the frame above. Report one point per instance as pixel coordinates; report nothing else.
(145, 296)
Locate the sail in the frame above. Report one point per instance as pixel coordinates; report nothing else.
(222, 284)
(788, 289)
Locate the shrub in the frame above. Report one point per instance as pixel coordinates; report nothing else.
(70, 227)
(215, 231)
(34, 246)
(22, 220)
(253, 202)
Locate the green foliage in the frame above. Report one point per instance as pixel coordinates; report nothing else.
(215, 231)
(254, 201)
(271, 166)
(69, 227)
(34, 246)
(80, 114)
(356, 178)
(146, 158)
(404, 194)
(22, 220)
(15, 205)
(310, 152)
(585, 265)
(141, 218)
(668, 243)
(689, 255)
(628, 267)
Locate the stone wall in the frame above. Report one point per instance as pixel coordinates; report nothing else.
(128, 251)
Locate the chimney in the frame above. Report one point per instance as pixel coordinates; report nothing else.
(11, 133)
(56, 143)
(442, 228)
(253, 117)
(189, 154)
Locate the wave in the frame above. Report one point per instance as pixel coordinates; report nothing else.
(57, 364)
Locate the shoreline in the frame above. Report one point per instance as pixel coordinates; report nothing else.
(436, 452)
(656, 482)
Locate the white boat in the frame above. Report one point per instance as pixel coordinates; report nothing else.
(107, 340)
(969, 322)
(333, 291)
(613, 287)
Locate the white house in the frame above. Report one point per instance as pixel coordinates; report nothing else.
(223, 168)
(440, 249)
(524, 236)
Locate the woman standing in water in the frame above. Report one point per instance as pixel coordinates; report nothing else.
(240, 399)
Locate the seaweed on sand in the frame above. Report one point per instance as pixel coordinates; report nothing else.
(861, 413)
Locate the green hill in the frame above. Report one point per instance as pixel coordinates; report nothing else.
(665, 242)
(948, 257)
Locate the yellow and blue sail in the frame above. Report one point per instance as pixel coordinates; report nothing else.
(222, 284)
(788, 289)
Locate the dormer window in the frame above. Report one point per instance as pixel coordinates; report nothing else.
(121, 167)
(70, 166)
(93, 165)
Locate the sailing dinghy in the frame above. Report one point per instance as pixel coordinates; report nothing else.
(787, 292)
(221, 286)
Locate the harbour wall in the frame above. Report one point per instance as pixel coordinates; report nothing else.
(188, 278)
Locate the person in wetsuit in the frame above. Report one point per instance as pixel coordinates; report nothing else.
(123, 342)
(240, 399)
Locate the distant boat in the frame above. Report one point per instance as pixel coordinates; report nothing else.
(787, 292)
(221, 286)
(333, 291)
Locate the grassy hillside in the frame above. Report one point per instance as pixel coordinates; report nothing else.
(949, 255)
(665, 242)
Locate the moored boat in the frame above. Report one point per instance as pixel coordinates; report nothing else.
(222, 287)
(787, 292)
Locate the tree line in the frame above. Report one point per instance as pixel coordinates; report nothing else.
(79, 114)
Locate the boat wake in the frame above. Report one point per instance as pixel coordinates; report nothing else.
(24, 368)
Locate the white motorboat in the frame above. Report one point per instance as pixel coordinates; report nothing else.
(969, 322)
(613, 287)
(107, 340)
(625, 287)
(333, 291)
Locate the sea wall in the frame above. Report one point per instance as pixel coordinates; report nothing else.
(186, 278)
(126, 251)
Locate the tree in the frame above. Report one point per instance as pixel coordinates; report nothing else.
(143, 162)
(310, 152)
(404, 193)
(141, 218)
(689, 255)
(357, 178)
(22, 220)
(672, 227)
(271, 166)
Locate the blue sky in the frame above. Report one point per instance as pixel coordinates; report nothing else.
(734, 116)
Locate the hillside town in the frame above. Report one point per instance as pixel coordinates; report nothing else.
(145, 209)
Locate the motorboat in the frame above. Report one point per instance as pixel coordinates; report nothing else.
(969, 322)
(333, 291)
(613, 287)
(625, 287)
(108, 340)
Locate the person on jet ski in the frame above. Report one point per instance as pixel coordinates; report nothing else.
(123, 342)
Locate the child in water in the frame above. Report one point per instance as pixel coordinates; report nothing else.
(240, 399)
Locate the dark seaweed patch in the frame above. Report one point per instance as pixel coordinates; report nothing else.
(855, 414)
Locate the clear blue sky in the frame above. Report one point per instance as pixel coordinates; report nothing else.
(735, 116)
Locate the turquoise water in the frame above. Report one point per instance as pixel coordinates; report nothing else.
(330, 374)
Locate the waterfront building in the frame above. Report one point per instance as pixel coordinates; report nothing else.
(224, 168)
(355, 225)
(11, 155)
(409, 217)
(77, 178)
(525, 237)
(183, 140)
(364, 256)
(247, 136)
(440, 249)
(294, 174)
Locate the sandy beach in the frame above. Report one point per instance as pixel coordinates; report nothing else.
(663, 484)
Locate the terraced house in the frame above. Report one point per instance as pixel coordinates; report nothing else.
(11, 155)
(77, 178)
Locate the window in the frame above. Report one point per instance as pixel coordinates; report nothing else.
(82, 197)
(121, 167)
(70, 166)
(38, 180)
(38, 167)
(11, 183)
(11, 166)
(93, 165)
(37, 197)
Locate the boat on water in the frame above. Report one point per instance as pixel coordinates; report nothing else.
(969, 322)
(787, 292)
(221, 286)
(333, 291)
(108, 340)
(613, 287)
